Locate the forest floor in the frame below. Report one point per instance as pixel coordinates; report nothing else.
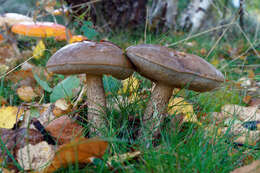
(216, 131)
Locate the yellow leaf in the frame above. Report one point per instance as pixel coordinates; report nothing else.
(77, 38)
(177, 105)
(8, 116)
(130, 85)
(26, 93)
(80, 150)
(39, 50)
(215, 62)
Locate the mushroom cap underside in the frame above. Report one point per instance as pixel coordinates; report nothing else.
(95, 58)
(174, 68)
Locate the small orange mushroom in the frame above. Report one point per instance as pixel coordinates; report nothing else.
(40, 29)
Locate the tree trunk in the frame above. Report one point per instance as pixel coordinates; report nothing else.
(163, 14)
(113, 13)
(194, 15)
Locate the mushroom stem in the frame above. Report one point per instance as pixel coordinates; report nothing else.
(96, 102)
(158, 102)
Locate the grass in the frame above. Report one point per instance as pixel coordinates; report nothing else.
(190, 148)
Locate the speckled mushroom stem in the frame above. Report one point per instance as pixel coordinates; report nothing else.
(157, 105)
(96, 103)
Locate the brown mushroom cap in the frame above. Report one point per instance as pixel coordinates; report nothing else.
(95, 58)
(173, 68)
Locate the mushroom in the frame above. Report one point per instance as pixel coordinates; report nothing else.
(94, 59)
(171, 69)
(40, 29)
(13, 18)
(9, 19)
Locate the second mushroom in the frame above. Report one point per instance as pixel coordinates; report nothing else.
(170, 69)
(94, 59)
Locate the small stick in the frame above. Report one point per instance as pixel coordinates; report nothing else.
(46, 136)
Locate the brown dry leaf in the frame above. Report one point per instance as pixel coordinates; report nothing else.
(254, 102)
(251, 74)
(1, 37)
(247, 99)
(26, 93)
(3, 170)
(6, 51)
(61, 107)
(250, 113)
(64, 129)
(80, 150)
(16, 139)
(241, 134)
(252, 168)
(22, 77)
(35, 157)
(3, 101)
(203, 51)
(8, 116)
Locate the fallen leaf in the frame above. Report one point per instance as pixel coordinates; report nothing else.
(241, 135)
(35, 157)
(65, 88)
(254, 102)
(215, 62)
(251, 74)
(8, 116)
(80, 150)
(27, 66)
(203, 51)
(243, 113)
(3, 69)
(26, 93)
(16, 139)
(77, 38)
(6, 51)
(1, 37)
(39, 49)
(3, 170)
(177, 105)
(64, 129)
(22, 77)
(252, 168)
(61, 107)
(130, 85)
(244, 82)
(3, 101)
(247, 99)
(123, 157)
